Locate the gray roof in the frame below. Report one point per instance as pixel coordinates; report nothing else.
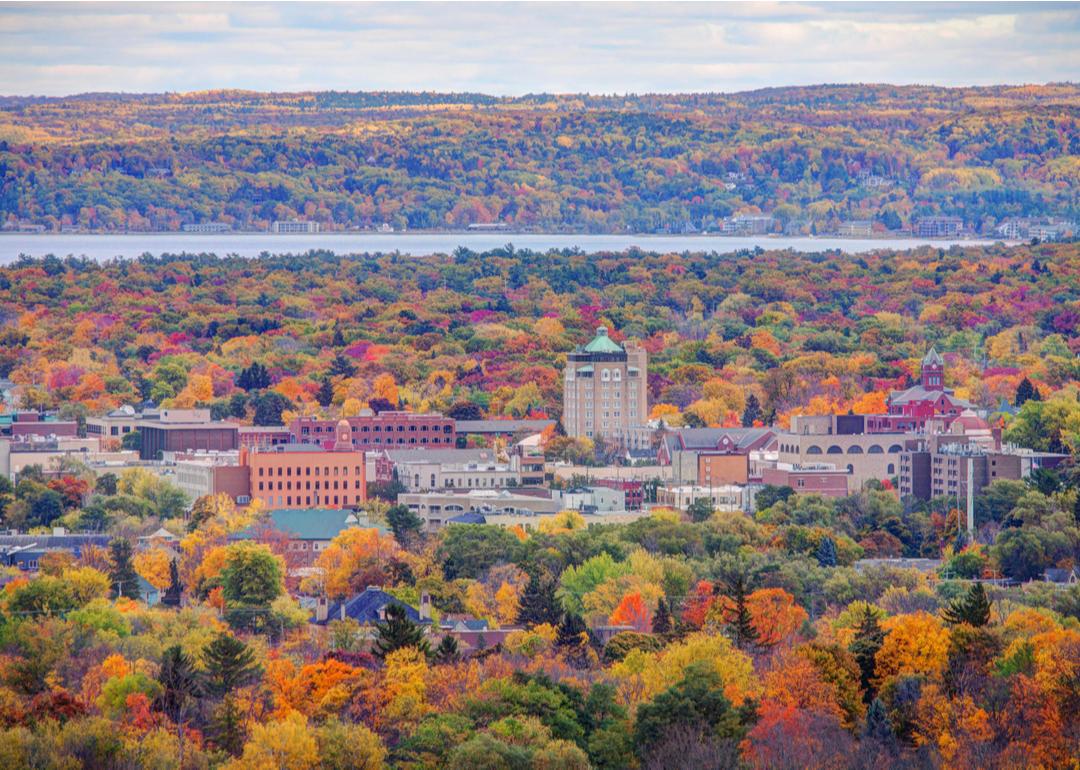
(919, 393)
(436, 455)
(933, 357)
(710, 438)
(502, 426)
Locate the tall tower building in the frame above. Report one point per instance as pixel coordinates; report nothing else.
(604, 388)
(933, 370)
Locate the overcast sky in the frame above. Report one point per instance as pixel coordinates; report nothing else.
(516, 48)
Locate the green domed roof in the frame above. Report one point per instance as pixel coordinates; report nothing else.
(602, 343)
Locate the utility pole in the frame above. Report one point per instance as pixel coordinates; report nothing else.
(971, 499)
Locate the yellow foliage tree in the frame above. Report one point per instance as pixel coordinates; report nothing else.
(286, 743)
(385, 387)
(153, 566)
(405, 687)
(915, 644)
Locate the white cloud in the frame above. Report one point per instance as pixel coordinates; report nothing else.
(514, 48)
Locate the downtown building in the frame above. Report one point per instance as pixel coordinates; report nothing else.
(604, 388)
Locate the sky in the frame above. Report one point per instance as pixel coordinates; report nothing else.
(56, 49)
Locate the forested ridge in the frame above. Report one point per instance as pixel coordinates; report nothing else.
(811, 157)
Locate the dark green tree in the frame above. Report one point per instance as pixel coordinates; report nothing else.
(769, 495)
(868, 639)
(172, 595)
(254, 377)
(740, 628)
(752, 413)
(106, 484)
(398, 631)
(701, 509)
(878, 727)
(661, 622)
(538, 604)
(181, 687)
(325, 394)
(405, 524)
(465, 410)
(268, 408)
(972, 607)
(122, 576)
(230, 664)
(132, 441)
(447, 650)
(697, 701)
(1025, 391)
(341, 366)
(826, 552)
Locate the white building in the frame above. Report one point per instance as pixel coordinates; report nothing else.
(726, 498)
(293, 226)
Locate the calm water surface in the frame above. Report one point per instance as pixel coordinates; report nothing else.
(414, 244)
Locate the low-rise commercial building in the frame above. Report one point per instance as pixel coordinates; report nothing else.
(823, 479)
(724, 498)
(378, 431)
(308, 476)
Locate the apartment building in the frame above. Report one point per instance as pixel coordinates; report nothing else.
(378, 431)
(604, 390)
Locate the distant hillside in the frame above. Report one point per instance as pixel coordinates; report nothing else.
(812, 157)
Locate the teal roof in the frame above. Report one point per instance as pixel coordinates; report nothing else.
(314, 523)
(602, 343)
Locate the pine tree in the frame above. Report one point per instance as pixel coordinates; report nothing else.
(972, 608)
(752, 413)
(229, 664)
(1025, 391)
(572, 632)
(868, 640)
(338, 340)
(122, 575)
(447, 651)
(341, 366)
(878, 727)
(537, 603)
(1076, 508)
(826, 552)
(741, 625)
(661, 622)
(172, 595)
(227, 727)
(398, 631)
(325, 394)
(181, 686)
(254, 377)
(572, 638)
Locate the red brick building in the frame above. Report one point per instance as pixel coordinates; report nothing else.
(379, 431)
(910, 410)
(808, 479)
(308, 475)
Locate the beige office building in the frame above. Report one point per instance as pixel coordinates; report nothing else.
(604, 388)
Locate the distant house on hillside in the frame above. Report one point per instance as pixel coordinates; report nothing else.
(368, 608)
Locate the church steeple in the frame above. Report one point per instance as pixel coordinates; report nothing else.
(933, 370)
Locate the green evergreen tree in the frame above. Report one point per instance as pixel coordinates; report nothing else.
(826, 552)
(752, 413)
(227, 727)
(878, 727)
(661, 622)
(229, 664)
(325, 394)
(701, 509)
(538, 604)
(972, 608)
(1025, 392)
(181, 687)
(869, 637)
(404, 523)
(173, 593)
(341, 366)
(447, 650)
(741, 627)
(122, 576)
(398, 631)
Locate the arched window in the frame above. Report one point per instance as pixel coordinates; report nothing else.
(813, 450)
(850, 468)
(875, 450)
(835, 450)
(895, 449)
(854, 449)
(605, 375)
(892, 469)
(616, 375)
